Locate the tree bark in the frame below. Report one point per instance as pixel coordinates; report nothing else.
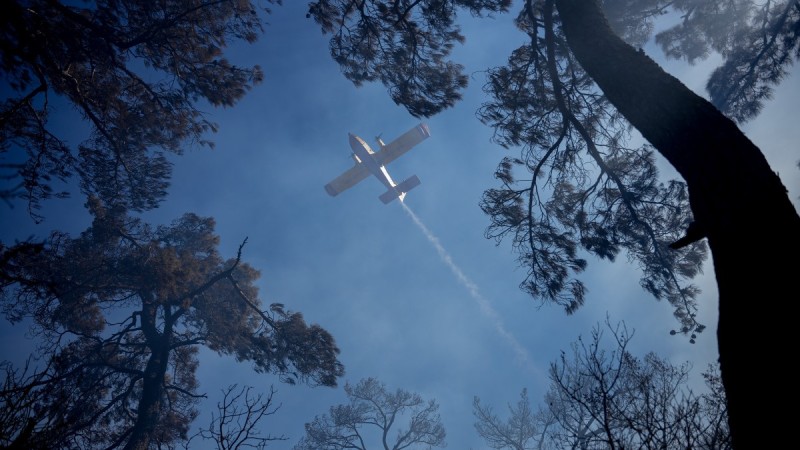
(739, 203)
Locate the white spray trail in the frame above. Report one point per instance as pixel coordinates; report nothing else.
(486, 307)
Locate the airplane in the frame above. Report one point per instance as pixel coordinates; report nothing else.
(369, 162)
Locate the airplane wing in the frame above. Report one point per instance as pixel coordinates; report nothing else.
(347, 180)
(404, 143)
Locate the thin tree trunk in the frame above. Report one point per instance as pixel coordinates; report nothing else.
(148, 410)
(737, 200)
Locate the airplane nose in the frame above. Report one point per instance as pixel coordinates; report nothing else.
(357, 144)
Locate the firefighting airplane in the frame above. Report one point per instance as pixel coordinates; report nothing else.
(369, 162)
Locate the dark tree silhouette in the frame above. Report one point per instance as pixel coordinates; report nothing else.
(120, 312)
(134, 71)
(563, 96)
(373, 414)
(607, 398)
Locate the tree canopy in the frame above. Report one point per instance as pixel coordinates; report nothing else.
(758, 42)
(403, 44)
(137, 73)
(121, 311)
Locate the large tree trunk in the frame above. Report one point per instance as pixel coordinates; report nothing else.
(752, 228)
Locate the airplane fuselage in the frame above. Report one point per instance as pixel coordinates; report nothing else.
(365, 156)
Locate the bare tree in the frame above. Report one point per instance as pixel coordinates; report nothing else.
(374, 411)
(524, 429)
(606, 398)
(238, 420)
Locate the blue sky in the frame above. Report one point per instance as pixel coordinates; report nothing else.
(364, 270)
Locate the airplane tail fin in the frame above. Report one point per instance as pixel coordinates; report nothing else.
(400, 190)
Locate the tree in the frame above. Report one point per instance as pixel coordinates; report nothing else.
(120, 312)
(373, 407)
(568, 96)
(602, 398)
(135, 72)
(524, 429)
(239, 413)
(612, 399)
